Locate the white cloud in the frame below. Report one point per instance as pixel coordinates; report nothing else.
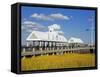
(30, 23)
(56, 16)
(59, 16)
(41, 16)
(29, 26)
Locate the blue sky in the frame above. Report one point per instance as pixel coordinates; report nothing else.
(74, 22)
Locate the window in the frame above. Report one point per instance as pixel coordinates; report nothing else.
(56, 37)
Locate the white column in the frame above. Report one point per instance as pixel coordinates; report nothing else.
(33, 49)
(39, 44)
(53, 45)
(23, 49)
(27, 43)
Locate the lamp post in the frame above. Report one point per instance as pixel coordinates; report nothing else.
(91, 30)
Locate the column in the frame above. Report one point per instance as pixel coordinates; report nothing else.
(33, 47)
(45, 45)
(23, 50)
(40, 45)
(27, 43)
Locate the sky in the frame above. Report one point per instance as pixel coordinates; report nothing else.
(73, 22)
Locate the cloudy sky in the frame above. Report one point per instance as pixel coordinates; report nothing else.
(73, 22)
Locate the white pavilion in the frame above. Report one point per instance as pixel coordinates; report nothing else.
(53, 39)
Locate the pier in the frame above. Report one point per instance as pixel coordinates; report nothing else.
(58, 52)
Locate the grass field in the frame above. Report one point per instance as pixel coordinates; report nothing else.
(57, 61)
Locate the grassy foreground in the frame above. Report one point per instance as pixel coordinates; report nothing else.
(57, 61)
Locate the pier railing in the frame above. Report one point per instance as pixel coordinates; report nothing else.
(59, 51)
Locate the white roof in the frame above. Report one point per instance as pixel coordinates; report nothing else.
(54, 34)
(75, 40)
(38, 35)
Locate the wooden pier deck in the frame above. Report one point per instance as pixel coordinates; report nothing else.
(61, 51)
